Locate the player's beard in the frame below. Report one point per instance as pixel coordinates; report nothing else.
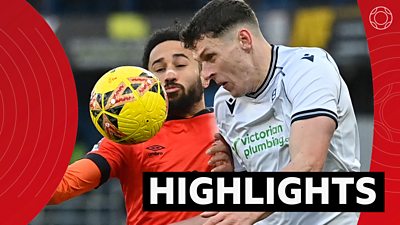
(182, 105)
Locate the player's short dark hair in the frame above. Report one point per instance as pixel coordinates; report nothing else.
(161, 35)
(215, 18)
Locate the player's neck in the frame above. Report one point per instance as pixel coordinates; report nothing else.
(197, 107)
(194, 109)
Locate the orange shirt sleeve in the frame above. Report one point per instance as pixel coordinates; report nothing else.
(81, 176)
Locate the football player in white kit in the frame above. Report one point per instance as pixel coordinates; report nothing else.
(279, 108)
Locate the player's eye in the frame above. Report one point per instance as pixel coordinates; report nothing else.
(159, 70)
(209, 57)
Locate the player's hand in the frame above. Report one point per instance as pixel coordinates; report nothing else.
(232, 218)
(221, 158)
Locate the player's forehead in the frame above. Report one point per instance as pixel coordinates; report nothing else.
(168, 50)
(207, 45)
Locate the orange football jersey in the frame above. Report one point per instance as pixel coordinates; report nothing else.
(179, 146)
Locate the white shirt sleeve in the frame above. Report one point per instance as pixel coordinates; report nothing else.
(313, 87)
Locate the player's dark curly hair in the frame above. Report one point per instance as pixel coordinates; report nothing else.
(159, 36)
(215, 18)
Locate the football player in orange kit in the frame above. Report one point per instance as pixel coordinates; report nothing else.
(180, 145)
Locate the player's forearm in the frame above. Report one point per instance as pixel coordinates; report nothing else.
(304, 166)
(306, 161)
(80, 177)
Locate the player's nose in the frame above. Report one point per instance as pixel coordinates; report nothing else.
(171, 75)
(207, 72)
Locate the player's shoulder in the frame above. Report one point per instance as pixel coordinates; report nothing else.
(289, 57)
(298, 62)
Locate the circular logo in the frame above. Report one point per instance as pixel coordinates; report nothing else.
(381, 18)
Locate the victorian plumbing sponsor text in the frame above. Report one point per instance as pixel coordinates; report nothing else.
(262, 140)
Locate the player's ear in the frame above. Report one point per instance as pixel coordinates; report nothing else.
(245, 39)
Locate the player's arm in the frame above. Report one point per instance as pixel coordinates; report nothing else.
(309, 143)
(81, 176)
(311, 133)
(314, 94)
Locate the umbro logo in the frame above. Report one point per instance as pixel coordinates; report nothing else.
(155, 150)
(309, 57)
(231, 104)
(155, 147)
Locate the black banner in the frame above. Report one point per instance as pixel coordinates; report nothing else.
(264, 191)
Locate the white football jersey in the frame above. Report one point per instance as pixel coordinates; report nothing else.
(301, 83)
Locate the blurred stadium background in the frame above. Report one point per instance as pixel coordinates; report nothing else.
(98, 35)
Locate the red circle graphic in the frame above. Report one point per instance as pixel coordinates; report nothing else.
(38, 112)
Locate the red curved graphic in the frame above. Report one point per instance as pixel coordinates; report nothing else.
(382, 26)
(38, 112)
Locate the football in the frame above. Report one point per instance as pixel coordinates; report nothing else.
(128, 105)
